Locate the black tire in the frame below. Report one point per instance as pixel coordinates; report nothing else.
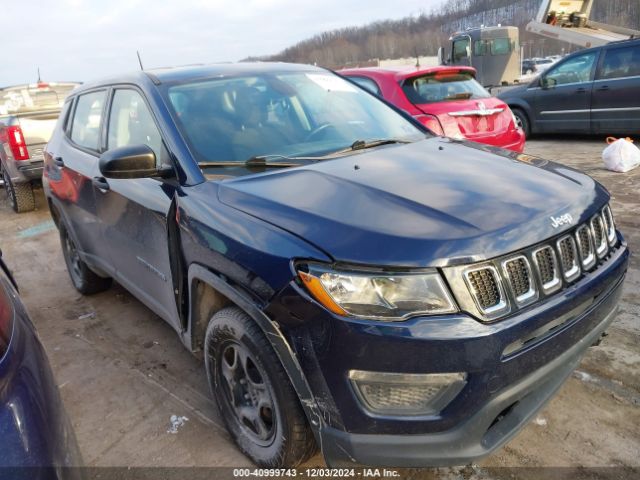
(20, 195)
(263, 414)
(85, 280)
(522, 121)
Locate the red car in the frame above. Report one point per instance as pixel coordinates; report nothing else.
(447, 100)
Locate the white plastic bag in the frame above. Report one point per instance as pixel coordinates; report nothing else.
(621, 155)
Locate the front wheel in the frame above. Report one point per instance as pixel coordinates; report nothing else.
(254, 395)
(522, 121)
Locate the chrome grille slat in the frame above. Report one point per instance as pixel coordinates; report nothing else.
(547, 267)
(599, 236)
(609, 225)
(568, 258)
(521, 281)
(585, 247)
(486, 285)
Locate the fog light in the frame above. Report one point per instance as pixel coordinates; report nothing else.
(406, 394)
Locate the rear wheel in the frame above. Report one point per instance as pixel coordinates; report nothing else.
(522, 121)
(20, 195)
(83, 278)
(256, 400)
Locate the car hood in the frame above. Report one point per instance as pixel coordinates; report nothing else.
(430, 203)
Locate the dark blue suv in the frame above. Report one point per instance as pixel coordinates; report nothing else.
(352, 281)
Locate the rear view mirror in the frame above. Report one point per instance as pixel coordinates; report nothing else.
(441, 56)
(132, 161)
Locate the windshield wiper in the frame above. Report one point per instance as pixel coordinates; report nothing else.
(265, 161)
(255, 161)
(364, 144)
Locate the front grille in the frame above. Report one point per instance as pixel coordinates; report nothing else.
(496, 287)
(485, 287)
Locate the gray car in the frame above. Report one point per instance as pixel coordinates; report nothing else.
(28, 114)
(596, 90)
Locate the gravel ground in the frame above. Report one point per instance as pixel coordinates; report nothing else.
(123, 373)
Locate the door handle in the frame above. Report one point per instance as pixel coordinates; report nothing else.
(58, 162)
(603, 88)
(101, 183)
(581, 90)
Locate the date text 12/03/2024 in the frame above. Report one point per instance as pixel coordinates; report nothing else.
(316, 472)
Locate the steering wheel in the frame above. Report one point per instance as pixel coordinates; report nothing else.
(318, 130)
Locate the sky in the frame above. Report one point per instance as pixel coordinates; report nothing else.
(80, 40)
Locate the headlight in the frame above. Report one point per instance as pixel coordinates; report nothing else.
(378, 295)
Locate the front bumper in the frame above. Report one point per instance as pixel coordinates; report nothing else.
(502, 383)
(490, 427)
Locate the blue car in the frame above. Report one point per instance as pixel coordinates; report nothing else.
(36, 439)
(352, 282)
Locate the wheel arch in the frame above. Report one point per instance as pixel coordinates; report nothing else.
(208, 293)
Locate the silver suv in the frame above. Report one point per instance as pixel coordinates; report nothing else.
(28, 114)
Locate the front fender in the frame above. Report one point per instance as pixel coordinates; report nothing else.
(271, 331)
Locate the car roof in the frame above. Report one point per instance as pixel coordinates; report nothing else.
(403, 72)
(194, 72)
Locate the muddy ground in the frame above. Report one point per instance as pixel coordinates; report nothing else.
(123, 372)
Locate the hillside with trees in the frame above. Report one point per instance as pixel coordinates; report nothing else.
(424, 33)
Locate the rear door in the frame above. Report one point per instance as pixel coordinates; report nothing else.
(563, 99)
(615, 104)
(74, 165)
(134, 211)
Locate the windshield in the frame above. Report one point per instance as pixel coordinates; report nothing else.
(290, 114)
(443, 86)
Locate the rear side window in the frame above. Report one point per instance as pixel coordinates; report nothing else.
(367, 84)
(443, 86)
(85, 128)
(621, 62)
(131, 123)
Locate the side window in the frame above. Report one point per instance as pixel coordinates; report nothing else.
(367, 84)
(480, 48)
(500, 46)
(620, 62)
(574, 70)
(460, 49)
(85, 128)
(131, 123)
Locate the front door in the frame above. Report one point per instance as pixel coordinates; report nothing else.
(563, 99)
(615, 104)
(134, 211)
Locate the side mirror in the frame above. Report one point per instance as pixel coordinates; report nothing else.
(441, 56)
(132, 161)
